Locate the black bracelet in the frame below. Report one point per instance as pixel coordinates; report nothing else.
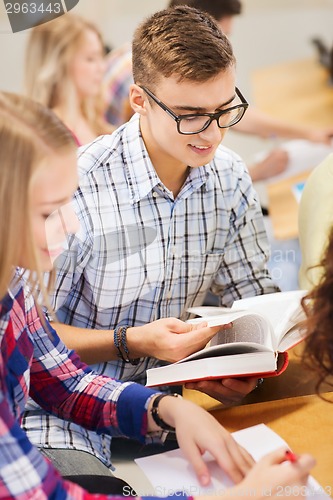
(155, 413)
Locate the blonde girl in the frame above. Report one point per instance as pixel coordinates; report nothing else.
(64, 71)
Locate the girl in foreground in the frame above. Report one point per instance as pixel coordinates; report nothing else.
(38, 173)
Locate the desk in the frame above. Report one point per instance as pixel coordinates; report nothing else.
(283, 206)
(286, 404)
(305, 423)
(295, 91)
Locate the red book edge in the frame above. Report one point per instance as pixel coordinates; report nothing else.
(282, 363)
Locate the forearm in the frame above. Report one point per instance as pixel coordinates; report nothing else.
(96, 346)
(162, 339)
(258, 123)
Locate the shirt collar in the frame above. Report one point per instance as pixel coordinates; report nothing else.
(141, 175)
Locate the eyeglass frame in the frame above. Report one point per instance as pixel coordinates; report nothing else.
(212, 116)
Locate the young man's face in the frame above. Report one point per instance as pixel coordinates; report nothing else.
(163, 141)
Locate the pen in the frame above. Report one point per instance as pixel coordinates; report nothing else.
(291, 456)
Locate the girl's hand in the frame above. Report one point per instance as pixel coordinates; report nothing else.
(197, 431)
(274, 476)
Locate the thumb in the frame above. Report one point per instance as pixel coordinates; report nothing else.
(305, 461)
(182, 327)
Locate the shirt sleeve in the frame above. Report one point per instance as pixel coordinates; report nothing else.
(25, 473)
(70, 265)
(243, 271)
(64, 386)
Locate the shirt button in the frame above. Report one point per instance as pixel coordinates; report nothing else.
(155, 195)
(169, 294)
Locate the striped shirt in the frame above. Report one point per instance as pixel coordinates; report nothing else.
(141, 255)
(34, 360)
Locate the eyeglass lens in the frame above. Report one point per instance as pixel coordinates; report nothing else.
(196, 123)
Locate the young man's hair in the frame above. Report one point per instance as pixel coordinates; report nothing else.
(182, 42)
(216, 8)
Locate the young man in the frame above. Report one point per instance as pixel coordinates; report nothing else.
(167, 213)
(118, 79)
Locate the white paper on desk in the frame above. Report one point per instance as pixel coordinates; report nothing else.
(170, 472)
(302, 155)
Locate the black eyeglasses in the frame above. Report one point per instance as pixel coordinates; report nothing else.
(190, 124)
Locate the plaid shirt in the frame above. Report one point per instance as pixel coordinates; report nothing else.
(36, 361)
(143, 255)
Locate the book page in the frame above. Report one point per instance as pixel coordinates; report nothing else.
(170, 472)
(208, 310)
(248, 328)
(227, 349)
(295, 332)
(278, 308)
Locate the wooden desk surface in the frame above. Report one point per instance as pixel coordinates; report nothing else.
(283, 206)
(297, 91)
(305, 423)
(288, 404)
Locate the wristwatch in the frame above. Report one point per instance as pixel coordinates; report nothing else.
(155, 413)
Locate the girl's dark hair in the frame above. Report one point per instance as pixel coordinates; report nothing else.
(318, 306)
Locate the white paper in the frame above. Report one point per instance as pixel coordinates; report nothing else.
(170, 472)
(302, 155)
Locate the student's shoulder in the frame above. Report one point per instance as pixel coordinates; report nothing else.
(99, 153)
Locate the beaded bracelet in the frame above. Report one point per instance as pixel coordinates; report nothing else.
(123, 339)
(120, 341)
(116, 341)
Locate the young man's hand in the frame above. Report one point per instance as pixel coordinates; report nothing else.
(169, 339)
(228, 391)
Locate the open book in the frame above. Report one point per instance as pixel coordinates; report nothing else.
(263, 329)
(170, 473)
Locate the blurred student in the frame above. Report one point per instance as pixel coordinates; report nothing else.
(315, 220)
(39, 175)
(64, 71)
(119, 77)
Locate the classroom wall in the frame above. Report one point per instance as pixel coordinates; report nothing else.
(269, 31)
